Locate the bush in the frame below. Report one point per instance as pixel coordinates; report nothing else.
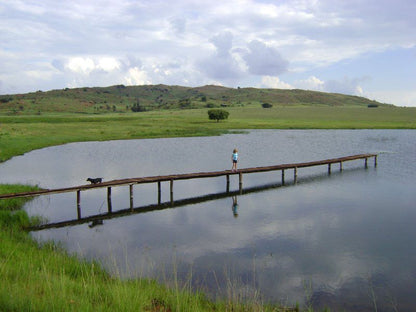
(136, 107)
(266, 105)
(217, 114)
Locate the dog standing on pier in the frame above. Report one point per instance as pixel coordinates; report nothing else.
(95, 180)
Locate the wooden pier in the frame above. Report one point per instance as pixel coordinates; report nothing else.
(199, 175)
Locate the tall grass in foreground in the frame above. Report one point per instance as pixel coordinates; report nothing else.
(37, 277)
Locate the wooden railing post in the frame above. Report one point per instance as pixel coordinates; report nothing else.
(109, 205)
(79, 204)
(171, 191)
(159, 193)
(131, 196)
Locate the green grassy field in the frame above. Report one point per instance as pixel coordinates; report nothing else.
(20, 134)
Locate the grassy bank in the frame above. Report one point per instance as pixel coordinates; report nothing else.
(45, 278)
(20, 134)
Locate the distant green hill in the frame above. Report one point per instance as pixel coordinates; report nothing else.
(122, 98)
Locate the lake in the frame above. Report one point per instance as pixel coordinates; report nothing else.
(344, 241)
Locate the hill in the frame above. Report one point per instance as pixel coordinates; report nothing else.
(122, 98)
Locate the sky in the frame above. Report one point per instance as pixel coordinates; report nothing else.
(357, 47)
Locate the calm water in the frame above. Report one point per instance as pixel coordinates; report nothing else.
(345, 241)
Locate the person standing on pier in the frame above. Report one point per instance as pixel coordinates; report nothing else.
(234, 158)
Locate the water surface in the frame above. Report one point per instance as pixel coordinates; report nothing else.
(345, 241)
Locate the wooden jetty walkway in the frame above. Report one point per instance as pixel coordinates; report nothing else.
(198, 175)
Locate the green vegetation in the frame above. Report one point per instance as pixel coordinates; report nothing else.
(124, 99)
(20, 134)
(217, 114)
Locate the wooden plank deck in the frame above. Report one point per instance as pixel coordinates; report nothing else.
(197, 175)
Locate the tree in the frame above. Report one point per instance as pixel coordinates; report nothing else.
(185, 103)
(217, 114)
(136, 107)
(267, 105)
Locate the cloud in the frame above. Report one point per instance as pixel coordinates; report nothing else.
(178, 25)
(275, 82)
(230, 43)
(80, 65)
(311, 83)
(221, 64)
(136, 77)
(345, 86)
(264, 60)
(85, 65)
(108, 64)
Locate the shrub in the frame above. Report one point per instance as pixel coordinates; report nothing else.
(217, 114)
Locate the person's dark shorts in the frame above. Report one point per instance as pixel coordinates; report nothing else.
(234, 161)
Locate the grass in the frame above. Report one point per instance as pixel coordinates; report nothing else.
(158, 97)
(20, 134)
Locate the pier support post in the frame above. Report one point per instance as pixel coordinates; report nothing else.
(295, 175)
(240, 183)
(366, 163)
(340, 166)
(131, 196)
(79, 204)
(329, 169)
(109, 205)
(283, 176)
(159, 193)
(375, 161)
(228, 183)
(171, 191)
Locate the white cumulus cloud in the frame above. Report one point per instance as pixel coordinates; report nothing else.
(81, 65)
(275, 83)
(311, 83)
(136, 77)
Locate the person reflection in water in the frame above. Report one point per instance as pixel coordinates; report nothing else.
(235, 207)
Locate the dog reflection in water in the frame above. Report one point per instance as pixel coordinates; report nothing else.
(95, 223)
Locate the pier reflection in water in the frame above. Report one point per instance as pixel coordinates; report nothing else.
(99, 218)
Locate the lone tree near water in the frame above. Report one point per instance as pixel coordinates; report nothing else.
(217, 114)
(267, 105)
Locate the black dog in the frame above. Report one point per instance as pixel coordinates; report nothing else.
(95, 180)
